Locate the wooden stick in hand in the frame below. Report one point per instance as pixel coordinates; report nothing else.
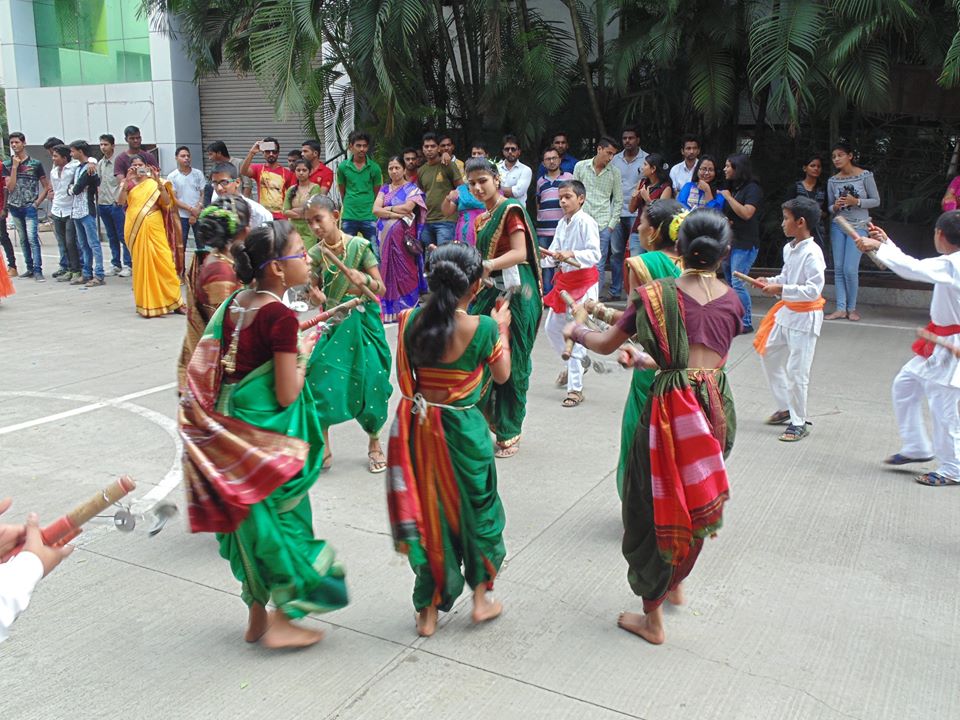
(937, 340)
(579, 315)
(853, 233)
(368, 293)
(747, 279)
(327, 314)
(569, 261)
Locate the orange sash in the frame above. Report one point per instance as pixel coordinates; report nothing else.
(766, 327)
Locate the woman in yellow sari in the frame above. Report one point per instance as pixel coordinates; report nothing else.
(156, 245)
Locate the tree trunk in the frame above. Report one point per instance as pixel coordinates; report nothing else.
(585, 66)
(601, 23)
(465, 107)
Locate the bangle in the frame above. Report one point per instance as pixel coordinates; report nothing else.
(580, 333)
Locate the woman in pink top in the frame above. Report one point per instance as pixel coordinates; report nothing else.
(949, 201)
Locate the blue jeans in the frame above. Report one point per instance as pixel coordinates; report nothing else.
(846, 268)
(627, 238)
(185, 230)
(547, 272)
(113, 217)
(25, 219)
(89, 242)
(741, 261)
(367, 228)
(436, 233)
(612, 246)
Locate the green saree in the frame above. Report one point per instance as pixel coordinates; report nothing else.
(505, 406)
(647, 267)
(442, 478)
(237, 443)
(349, 370)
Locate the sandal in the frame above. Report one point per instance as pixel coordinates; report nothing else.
(573, 398)
(507, 449)
(377, 462)
(898, 459)
(561, 380)
(935, 479)
(327, 462)
(793, 433)
(779, 418)
(837, 315)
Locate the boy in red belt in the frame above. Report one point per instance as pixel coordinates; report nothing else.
(934, 371)
(577, 240)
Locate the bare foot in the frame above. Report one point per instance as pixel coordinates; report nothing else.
(257, 623)
(485, 609)
(646, 626)
(427, 621)
(284, 634)
(676, 596)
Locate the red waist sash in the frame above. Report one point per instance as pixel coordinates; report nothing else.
(924, 348)
(575, 282)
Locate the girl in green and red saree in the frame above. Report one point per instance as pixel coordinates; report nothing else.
(442, 497)
(511, 258)
(675, 480)
(253, 446)
(349, 371)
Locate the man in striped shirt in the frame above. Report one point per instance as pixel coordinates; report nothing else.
(601, 178)
(549, 211)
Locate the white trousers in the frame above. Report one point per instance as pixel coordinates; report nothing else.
(787, 366)
(909, 390)
(553, 326)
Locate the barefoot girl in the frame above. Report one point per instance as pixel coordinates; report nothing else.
(673, 491)
(442, 487)
(508, 247)
(253, 446)
(349, 371)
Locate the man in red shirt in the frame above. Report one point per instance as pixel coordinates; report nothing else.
(271, 177)
(319, 173)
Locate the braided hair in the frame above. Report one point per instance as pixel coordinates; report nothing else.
(220, 223)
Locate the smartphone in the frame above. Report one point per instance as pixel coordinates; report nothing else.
(265, 146)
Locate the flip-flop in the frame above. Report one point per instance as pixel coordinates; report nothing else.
(375, 465)
(935, 479)
(898, 459)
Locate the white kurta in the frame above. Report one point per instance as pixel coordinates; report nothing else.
(580, 235)
(18, 577)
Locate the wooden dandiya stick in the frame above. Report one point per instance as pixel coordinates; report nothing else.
(747, 279)
(937, 340)
(328, 254)
(853, 232)
(66, 528)
(569, 261)
(579, 315)
(325, 315)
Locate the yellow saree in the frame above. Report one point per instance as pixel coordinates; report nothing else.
(156, 284)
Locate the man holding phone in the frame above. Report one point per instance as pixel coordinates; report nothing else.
(271, 177)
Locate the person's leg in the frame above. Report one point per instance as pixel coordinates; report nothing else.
(741, 261)
(112, 239)
(444, 231)
(604, 257)
(73, 247)
(89, 225)
(636, 247)
(20, 223)
(838, 245)
(119, 217)
(618, 241)
(86, 255)
(30, 220)
(428, 236)
(7, 245)
(908, 409)
(185, 230)
(774, 364)
(349, 226)
(801, 349)
(547, 272)
(851, 271)
(60, 233)
(553, 326)
(945, 413)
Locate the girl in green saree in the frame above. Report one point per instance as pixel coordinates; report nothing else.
(253, 447)
(442, 485)
(349, 371)
(675, 484)
(511, 259)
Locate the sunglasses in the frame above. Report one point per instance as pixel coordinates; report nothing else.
(510, 148)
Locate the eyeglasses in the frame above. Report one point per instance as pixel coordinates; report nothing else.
(510, 148)
(302, 255)
(221, 183)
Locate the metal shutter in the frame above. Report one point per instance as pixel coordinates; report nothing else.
(234, 109)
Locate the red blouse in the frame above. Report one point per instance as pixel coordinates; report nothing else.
(274, 329)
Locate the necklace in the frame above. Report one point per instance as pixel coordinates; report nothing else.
(267, 292)
(335, 247)
(461, 311)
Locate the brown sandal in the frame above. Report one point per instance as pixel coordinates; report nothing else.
(573, 398)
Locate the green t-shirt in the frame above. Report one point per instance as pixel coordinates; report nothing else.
(360, 188)
(437, 181)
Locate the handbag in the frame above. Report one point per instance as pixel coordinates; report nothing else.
(410, 241)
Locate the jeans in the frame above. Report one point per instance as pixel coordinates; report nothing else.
(25, 219)
(366, 228)
(547, 272)
(435, 233)
(89, 242)
(611, 247)
(5, 241)
(66, 234)
(741, 261)
(113, 218)
(185, 230)
(846, 268)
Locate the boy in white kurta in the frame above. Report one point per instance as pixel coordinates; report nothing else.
(934, 371)
(787, 337)
(577, 238)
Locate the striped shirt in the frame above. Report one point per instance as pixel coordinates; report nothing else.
(604, 192)
(548, 204)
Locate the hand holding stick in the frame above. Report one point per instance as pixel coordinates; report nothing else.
(851, 231)
(367, 292)
(579, 314)
(937, 340)
(325, 315)
(68, 527)
(569, 261)
(747, 279)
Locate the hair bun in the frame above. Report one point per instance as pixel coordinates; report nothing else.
(445, 272)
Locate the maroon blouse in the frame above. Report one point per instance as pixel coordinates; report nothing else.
(274, 329)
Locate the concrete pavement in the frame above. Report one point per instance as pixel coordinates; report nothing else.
(830, 592)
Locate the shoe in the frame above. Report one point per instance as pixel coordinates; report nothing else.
(95, 282)
(27, 275)
(115, 271)
(60, 273)
(80, 280)
(125, 272)
(39, 277)
(793, 433)
(780, 417)
(67, 276)
(12, 271)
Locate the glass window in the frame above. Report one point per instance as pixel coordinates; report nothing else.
(91, 42)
